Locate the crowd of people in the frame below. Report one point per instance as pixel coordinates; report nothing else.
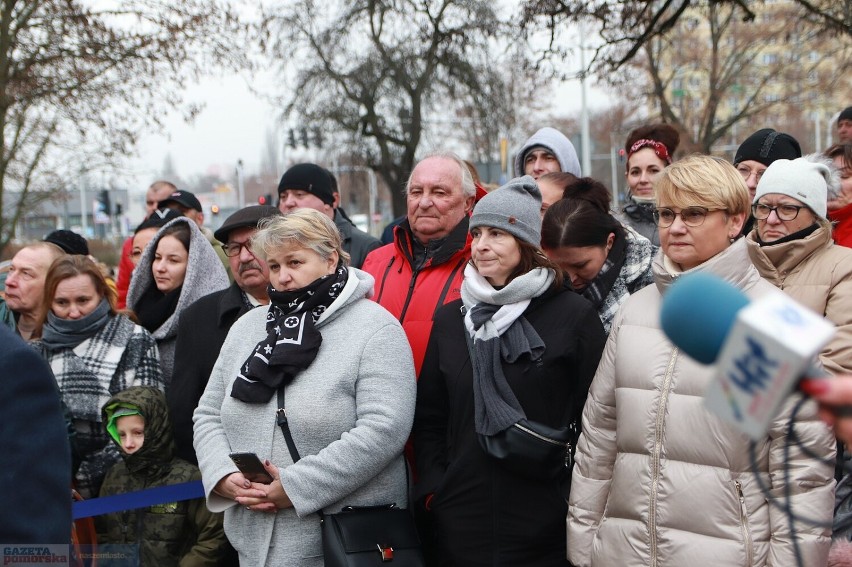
(418, 372)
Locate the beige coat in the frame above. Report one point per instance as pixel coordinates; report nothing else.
(660, 481)
(818, 274)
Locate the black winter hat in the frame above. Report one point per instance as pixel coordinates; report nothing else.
(308, 177)
(767, 145)
(70, 242)
(845, 114)
(248, 216)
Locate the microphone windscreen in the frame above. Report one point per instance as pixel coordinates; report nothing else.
(697, 313)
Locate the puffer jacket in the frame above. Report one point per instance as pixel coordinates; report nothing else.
(204, 275)
(414, 289)
(179, 533)
(818, 274)
(661, 481)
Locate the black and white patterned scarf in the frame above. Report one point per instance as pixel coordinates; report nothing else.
(599, 288)
(292, 340)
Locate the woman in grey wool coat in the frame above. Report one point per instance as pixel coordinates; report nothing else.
(348, 374)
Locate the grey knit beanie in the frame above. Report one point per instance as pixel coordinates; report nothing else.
(515, 207)
(801, 179)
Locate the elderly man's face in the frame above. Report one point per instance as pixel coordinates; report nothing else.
(436, 201)
(250, 272)
(25, 283)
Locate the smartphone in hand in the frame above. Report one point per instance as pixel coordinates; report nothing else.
(251, 467)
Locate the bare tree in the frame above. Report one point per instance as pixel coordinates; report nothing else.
(79, 83)
(712, 72)
(626, 26)
(381, 72)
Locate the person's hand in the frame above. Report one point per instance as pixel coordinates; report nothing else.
(834, 395)
(229, 486)
(265, 497)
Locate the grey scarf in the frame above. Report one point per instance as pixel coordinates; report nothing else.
(494, 321)
(68, 333)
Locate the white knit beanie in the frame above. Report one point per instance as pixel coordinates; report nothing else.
(801, 179)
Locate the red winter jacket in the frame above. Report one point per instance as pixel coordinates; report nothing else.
(843, 229)
(413, 293)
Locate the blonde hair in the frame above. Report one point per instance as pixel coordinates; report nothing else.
(305, 227)
(704, 181)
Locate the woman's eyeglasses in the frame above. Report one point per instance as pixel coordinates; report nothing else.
(783, 212)
(691, 216)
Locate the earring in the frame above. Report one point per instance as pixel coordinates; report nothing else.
(731, 239)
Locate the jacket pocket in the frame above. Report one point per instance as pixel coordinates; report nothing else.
(744, 523)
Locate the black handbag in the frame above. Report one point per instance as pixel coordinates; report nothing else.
(362, 536)
(531, 449)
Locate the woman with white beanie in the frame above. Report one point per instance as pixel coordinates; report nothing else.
(518, 349)
(791, 247)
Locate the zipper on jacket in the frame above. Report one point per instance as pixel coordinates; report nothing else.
(410, 293)
(384, 279)
(744, 523)
(529, 431)
(655, 455)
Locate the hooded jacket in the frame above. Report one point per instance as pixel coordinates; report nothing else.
(204, 275)
(414, 287)
(349, 412)
(556, 143)
(661, 481)
(182, 533)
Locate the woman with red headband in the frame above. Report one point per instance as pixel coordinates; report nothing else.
(649, 150)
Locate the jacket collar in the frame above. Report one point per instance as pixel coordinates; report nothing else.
(231, 305)
(774, 261)
(437, 252)
(731, 264)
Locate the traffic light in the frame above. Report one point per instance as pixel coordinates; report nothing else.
(103, 202)
(291, 139)
(303, 134)
(318, 138)
(265, 199)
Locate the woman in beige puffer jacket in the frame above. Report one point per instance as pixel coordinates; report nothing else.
(661, 481)
(798, 255)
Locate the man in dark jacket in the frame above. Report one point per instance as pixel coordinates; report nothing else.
(205, 324)
(309, 186)
(35, 480)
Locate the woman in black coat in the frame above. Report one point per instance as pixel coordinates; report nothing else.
(513, 307)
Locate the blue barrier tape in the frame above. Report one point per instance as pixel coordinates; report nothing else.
(138, 499)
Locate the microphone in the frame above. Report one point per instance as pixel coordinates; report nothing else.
(761, 349)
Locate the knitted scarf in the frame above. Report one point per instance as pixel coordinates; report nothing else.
(69, 333)
(494, 320)
(155, 307)
(599, 288)
(292, 340)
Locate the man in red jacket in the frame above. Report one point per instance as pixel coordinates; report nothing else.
(424, 266)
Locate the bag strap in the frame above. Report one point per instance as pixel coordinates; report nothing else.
(283, 423)
(281, 417)
(566, 418)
